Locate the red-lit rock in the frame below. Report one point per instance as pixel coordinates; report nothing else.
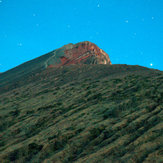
(81, 53)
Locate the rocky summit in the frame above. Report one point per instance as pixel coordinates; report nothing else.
(81, 53)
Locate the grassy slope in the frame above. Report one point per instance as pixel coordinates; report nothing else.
(83, 113)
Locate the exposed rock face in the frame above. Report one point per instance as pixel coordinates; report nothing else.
(81, 53)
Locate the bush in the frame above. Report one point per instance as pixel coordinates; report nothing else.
(34, 148)
(95, 132)
(110, 113)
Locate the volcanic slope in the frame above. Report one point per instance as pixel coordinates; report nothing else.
(80, 53)
(83, 113)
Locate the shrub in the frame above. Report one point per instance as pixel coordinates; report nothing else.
(110, 113)
(34, 148)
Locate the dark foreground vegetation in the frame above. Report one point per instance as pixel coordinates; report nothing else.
(89, 113)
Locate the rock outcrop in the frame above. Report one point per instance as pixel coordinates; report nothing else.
(80, 53)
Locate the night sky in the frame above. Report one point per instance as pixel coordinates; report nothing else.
(130, 31)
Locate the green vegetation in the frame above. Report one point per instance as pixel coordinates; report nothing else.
(84, 113)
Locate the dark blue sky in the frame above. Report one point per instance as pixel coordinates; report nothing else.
(130, 31)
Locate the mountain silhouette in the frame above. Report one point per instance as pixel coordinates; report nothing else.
(73, 105)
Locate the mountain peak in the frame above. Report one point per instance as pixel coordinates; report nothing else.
(81, 53)
(78, 54)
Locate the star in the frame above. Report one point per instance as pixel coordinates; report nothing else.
(151, 64)
(97, 33)
(142, 19)
(20, 44)
(141, 53)
(90, 37)
(98, 5)
(5, 35)
(68, 26)
(126, 21)
(0, 1)
(153, 17)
